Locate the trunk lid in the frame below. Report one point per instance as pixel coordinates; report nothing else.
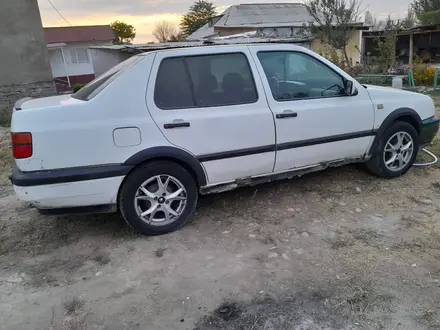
(30, 103)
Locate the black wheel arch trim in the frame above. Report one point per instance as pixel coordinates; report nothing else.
(392, 117)
(171, 153)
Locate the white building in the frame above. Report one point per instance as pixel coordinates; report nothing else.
(69, 53)
(274, 20)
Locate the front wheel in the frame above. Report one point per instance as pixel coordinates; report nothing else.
(158, 198)
(395, 152)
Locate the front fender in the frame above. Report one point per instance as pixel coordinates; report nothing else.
(405, 114)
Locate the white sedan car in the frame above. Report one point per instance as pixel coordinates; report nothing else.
(147, 137)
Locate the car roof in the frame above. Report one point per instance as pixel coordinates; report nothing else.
(217, 47)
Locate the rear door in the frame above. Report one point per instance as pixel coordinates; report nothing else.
(207, 102)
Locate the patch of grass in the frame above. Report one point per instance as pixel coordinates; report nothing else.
(348, 238)
(43, 273)
(338, 304)
(6, 160)
(72, 304)
(430, 241)
(269, 240)
(159, 252)
(367, 236)
(100, 257)
(436, 185)
(407, 221)
(120, 294)
(5, 119)
(26, 231)
(434, 147)
(341, 241)
(410, 221)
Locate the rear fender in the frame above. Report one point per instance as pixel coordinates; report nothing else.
(177, 155)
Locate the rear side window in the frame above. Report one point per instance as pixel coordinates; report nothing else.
(204, 81)
(93, 88)
(173, 88)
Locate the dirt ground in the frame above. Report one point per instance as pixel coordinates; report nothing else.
(338, 249)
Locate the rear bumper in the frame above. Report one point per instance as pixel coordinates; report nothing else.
(71, 195)
(428, 130)
(69, 188)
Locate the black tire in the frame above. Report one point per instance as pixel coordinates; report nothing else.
(133, 182)
(376, 165)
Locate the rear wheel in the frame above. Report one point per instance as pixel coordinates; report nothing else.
(158, 197)
(395, 152)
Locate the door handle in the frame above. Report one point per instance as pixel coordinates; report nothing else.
(286, 114)
(176, 124)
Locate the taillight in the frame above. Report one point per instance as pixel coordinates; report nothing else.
(21, 145)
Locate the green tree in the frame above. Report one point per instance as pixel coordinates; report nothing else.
(199, 14)
(410, 20)
(386, 44)
(427, 11)
(124, 33)
(332, 23)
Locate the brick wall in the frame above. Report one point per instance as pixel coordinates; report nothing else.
(12, 93)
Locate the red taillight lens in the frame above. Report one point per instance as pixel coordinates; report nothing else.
(21, 145)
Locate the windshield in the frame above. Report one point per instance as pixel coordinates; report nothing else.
(93, 88)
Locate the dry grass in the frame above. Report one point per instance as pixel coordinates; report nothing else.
(159, 252)
(5, 119)
(29, 233)
(348, 237)
(72, 304)
(434, 147)
(339, 305)
(6, 159)
(100, 257)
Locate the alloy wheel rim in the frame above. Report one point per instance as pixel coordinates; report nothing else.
(160, 200)
(398, 151)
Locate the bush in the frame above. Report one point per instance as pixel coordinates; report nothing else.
(429, 17)
(423, 75)
(77, 87)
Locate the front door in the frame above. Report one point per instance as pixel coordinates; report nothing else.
(315, 121)
(210, 104)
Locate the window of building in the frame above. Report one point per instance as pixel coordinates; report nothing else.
(55, 56)
(79, 56)
(205, 81)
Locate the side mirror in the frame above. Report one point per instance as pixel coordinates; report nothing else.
(349, 88)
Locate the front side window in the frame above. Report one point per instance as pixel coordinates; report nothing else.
(294, 75)
(204, 81)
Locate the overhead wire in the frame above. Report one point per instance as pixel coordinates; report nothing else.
(65, 19)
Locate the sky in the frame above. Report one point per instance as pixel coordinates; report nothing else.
(144, 14)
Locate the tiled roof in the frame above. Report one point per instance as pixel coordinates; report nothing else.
(78, 34)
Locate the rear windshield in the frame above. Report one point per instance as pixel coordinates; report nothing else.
(93, 88)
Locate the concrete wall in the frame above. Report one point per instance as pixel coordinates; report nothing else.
(353, 47)
(105, 59)
(23, 54)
